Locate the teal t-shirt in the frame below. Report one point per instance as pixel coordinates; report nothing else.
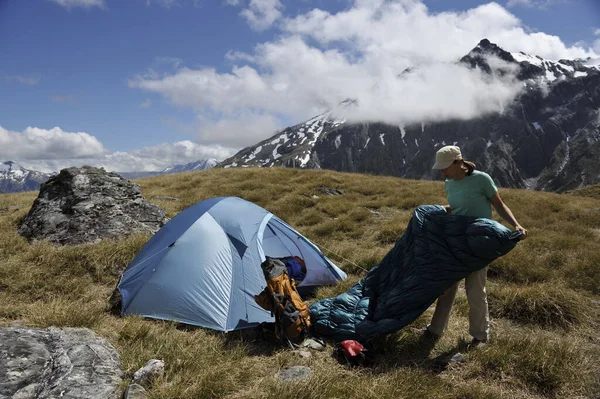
(470, 196)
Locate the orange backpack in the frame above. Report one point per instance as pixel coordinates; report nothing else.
(281, 298)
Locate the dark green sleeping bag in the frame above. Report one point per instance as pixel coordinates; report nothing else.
(436, 251)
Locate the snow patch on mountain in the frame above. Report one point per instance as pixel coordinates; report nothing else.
(202, 164)
(292, 146)
(558, 70)
(15, 178)
(523, 57)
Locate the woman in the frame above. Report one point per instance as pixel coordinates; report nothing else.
(470, 193)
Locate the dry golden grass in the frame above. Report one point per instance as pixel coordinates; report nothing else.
(544, 295)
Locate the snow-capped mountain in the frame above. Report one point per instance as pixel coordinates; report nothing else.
(202, 164)
(547, 139)
(533, 70)
(15, 178)
(188, 167)
(291, 147)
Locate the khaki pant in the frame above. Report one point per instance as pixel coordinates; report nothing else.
(479, 318)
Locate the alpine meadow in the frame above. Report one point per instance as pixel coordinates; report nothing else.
(544, 295)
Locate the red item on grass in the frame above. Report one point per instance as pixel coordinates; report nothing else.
(351, 347)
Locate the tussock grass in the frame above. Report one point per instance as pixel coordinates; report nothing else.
(544, 305)
(540, 362)
(589, 191)
(62, 312)
(544, 295)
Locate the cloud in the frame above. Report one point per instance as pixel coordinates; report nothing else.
(146, 104)
(596, 43)
(234, 130)
(433, 93)
(262, 14)
(80, 3)
(234, 56)
(54, 149)
(36, 143)
(542, 4)
(514, 3)
(321, 58)
(406, 29)
(162, 155)
(245, 128)
(147, 159)
(24, 80)
(63, 99)
(232, 2)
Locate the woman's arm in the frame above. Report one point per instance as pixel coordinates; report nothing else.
(506, 214)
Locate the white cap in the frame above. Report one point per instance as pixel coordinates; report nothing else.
(445, 156)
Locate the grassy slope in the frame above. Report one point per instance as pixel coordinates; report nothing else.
(544, 295)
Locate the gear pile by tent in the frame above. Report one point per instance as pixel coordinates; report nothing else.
(228, 264)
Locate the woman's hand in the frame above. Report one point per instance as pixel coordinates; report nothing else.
(523, 231)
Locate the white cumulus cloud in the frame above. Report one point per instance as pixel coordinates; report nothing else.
(49, 150)
(244, 128)
(262, 14)
(407, 29)
(320, 58)
(35, 143)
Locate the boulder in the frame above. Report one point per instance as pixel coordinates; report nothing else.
(83, 205)
(135, 391)
(152, 370)
(53, 362)
(294, 374)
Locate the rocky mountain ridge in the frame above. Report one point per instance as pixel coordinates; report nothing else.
(15, 178)
(547, 139)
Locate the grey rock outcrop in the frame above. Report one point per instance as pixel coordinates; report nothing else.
(152, 370)
(51, 363)
(135, 391)
(294, 374)
(82, 205)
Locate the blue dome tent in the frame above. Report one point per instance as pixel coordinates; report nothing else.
(203, 267)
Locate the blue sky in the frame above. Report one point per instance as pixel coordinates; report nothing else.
(141, 84)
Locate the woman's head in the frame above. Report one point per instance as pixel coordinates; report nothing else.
(450, 162)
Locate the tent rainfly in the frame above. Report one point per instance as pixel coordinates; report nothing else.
(203, 267)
